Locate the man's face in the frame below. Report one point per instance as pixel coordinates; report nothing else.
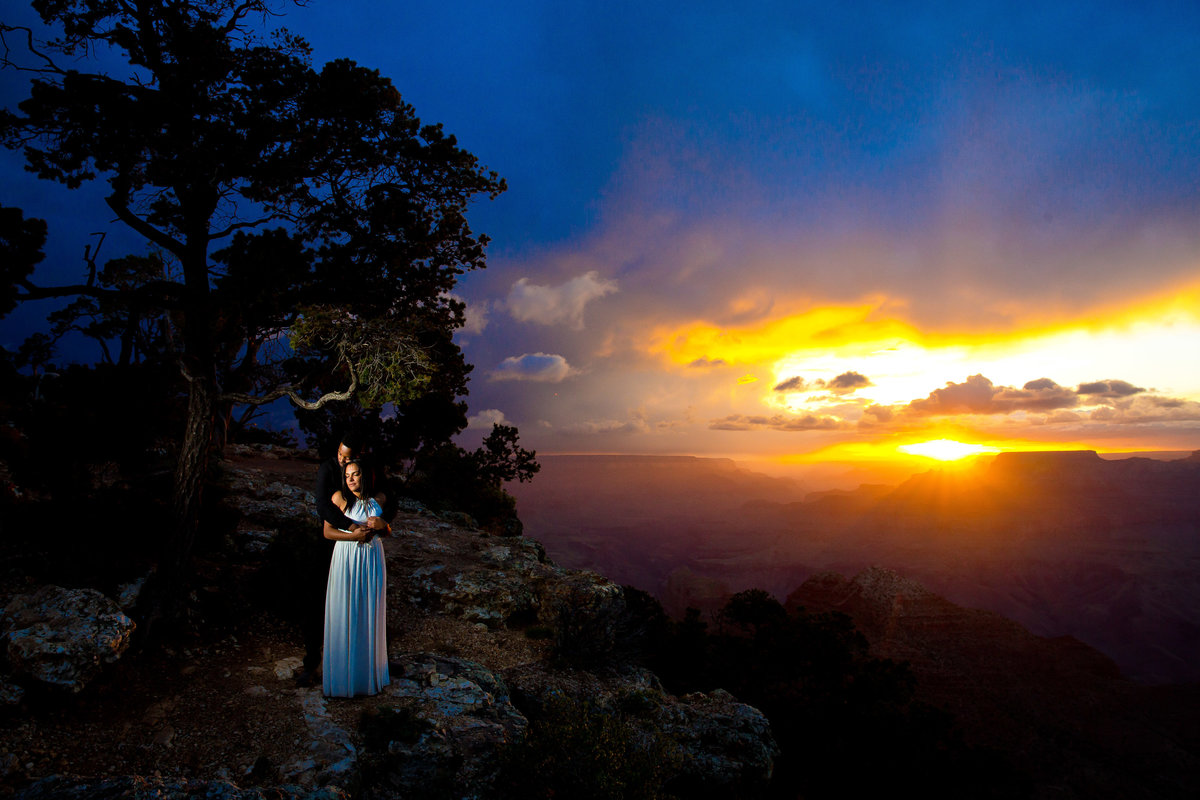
(344, 455)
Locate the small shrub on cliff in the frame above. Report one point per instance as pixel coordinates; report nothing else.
(577, 750)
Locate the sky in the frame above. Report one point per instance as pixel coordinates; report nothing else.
(812, 230)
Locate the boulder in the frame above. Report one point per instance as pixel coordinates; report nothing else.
(440, 729)
(728, 746)
(63, 637)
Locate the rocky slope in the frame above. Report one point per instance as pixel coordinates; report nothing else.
(1064, 543)
(485, 634)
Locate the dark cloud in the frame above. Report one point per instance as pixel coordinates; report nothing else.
(778, 422)
(848, 382)
(1109, 389)
(796, 384)
(708, 362)
(845, 383)
(1148, 409)
(880, 413)
(978, 395)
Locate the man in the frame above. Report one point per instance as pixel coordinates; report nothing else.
(318, 554)
(329, 481)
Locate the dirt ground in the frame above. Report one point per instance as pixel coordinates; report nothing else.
(222, 703)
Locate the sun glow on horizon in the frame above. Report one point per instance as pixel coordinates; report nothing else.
(887, 449)
(866, 368)
(946, 449)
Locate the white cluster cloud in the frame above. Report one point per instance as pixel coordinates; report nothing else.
(476, 317)
(475, 314)
(535, 367)
(607, 426)
(485, 419)
(551, 305)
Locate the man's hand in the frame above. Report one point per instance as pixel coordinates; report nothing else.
(376, 523)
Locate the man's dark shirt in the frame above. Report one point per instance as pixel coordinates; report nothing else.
(329, 481)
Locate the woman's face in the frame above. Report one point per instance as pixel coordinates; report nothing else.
(354, 478)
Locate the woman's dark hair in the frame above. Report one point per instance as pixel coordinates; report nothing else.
(366, 485)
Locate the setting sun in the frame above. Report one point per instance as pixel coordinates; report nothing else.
(946, 449)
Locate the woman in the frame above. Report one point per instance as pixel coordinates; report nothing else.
(355, 660)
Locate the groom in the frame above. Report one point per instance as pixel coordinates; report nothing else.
(316, 562)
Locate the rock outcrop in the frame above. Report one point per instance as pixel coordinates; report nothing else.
(498, 581)
(59, 787)
(62, 638)
(724, 747)
(442, 723)
(492, 632)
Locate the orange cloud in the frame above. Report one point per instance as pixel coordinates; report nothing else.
(857, 326)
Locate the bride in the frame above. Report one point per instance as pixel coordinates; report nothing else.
(356, 660)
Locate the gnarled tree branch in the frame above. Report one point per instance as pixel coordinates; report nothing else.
(239, 398)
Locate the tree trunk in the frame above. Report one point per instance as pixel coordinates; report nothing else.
(202, 397)
(175, 566)
(189, 473)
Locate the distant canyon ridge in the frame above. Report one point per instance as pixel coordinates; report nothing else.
(1065, 543)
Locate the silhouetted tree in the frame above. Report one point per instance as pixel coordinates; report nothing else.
(500, 459)
(753, 610)
(341, 220)
(848, 724)
(450, 478)
(21, 243)
(409, 425)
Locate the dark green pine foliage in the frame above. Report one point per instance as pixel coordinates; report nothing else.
(848, 724)
(308, 226)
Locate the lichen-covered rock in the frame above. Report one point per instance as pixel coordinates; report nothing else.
(63, 637)
(62, 787)
(331, 758)
(495, 580)
(475, 578)
(484, 595)
(440, 730)
(256, 496)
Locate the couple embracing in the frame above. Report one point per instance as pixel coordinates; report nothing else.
(354, 633)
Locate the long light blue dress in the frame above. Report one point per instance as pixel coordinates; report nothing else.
(355, 660)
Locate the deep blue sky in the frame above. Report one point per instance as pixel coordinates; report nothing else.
(985, 171)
